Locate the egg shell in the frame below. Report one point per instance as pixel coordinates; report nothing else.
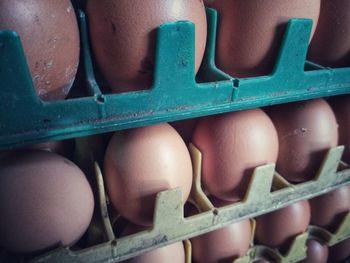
(49, 34)
(224, 244)
(64, 148)
(141, 162)
(174, 253)
(306, 130)
(329, 209)
(316, 252)
(232, 145)
(277, 229)
(123, 34)
(341, 108)
(331, 43)
(250, 32)
(45, 200)
(340, 251)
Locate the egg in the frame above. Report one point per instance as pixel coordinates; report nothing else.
(141, 162)
(306, 130)
(123, 35)
(328, 210)
(173, 253)
(232, 145)
(250, 32)
(341, 108)
(63, 147)
(278, 229)
(49, 34)
(340, 251)
(45, 201)
(316, 252)
(224, 244)
(331, 43)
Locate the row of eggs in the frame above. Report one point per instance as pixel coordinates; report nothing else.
(53, 197)
(123, 33)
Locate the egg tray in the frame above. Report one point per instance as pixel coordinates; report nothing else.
(171, 226)
(174, 95)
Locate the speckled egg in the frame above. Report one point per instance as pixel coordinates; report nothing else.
(123, 35)
(49, 34)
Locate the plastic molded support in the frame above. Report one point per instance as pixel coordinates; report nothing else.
(169, 213)
(24, 119)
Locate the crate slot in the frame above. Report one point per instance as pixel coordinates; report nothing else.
(342, 233)
(295, 253)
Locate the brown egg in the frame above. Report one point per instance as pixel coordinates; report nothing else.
(331, 43)
(341, 108)
(45, 201)
(306, 130)
(50, 38)
(250, 32)
(340, 251)
(316, 252)
(141, 162)
(224, 244)
(123, 34)
(329, 209)
(64, 148)
(233, 144)
(173, 253)
(277, 229)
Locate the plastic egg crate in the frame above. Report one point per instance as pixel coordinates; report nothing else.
(169, 212)
(175, 94)
(25, 119)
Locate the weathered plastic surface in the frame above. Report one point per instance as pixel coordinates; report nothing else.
(169, 213)
(24, 119)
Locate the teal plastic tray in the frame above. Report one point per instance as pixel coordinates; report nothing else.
(175, 94)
